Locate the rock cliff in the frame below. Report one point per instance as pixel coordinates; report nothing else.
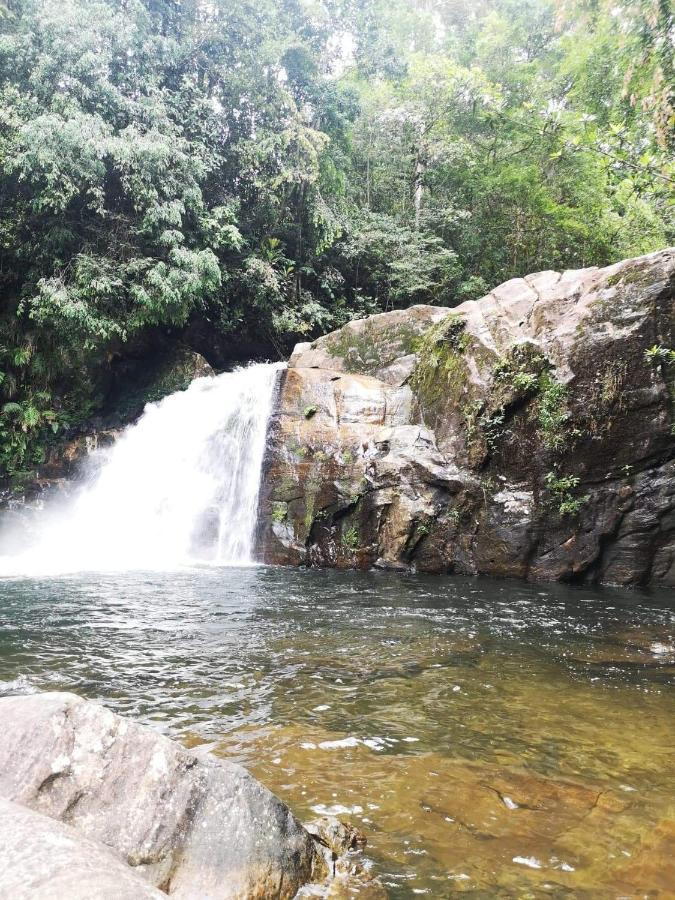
(528, 434)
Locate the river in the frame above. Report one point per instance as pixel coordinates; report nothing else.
(490, 737)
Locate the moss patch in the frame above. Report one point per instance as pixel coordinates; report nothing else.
(287, 489)
(279, 511)
(441, 370)
(630, 275)
(370, 348)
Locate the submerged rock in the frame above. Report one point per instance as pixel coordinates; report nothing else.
(652, 866)
(531, 813)
(529, 433)
(191, 825)
(47, 859)
(342, 845)
(648, 650)
(336, 835)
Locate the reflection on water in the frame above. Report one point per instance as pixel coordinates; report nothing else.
(490, 737)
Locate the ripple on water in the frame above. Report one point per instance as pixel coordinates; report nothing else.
(488, 736)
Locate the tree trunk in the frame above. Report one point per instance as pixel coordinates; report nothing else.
(419, 188)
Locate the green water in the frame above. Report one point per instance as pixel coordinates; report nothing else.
(490, 737)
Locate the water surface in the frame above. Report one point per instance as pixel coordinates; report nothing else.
(493, 738)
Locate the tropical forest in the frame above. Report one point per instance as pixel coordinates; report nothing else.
(337, 449)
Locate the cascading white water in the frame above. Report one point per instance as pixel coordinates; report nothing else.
(180, 486)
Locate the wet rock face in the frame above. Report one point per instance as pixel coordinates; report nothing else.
(190, 825)
(341, 845)
(528, 434)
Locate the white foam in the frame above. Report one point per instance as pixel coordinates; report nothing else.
(179, 487)
(530, 861)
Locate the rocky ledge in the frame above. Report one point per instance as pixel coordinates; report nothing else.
(529, 434)
(93, 805)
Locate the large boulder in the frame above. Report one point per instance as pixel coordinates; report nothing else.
(44, 859)
(191, 825)
(529, 433)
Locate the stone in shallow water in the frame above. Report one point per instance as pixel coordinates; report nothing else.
(337, 836)
(47, 859)
(193, 826)
(649, 648)
(345, 887)
(352, 878)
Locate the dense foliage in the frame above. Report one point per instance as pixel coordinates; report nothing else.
(267, 169)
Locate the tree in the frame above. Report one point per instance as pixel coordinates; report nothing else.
(261, 171)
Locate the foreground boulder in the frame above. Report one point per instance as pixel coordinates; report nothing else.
(192, 826)
(46, 859)
(530, 434)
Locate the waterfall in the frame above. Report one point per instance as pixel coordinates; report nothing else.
(179, 487)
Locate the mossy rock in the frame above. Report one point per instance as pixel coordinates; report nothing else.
(440, 373)
(365, 349)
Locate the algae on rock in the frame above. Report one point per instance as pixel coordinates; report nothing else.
(529, 433)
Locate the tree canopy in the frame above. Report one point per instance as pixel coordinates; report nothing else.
(267, 170)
